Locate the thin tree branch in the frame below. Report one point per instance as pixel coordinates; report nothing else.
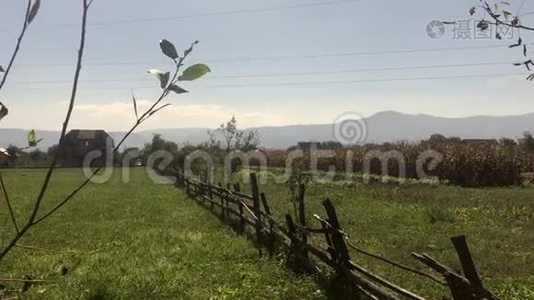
(33, 215)
(498, 21)
(6, 196)
(146, 115)
(17, 47)
(68, 115)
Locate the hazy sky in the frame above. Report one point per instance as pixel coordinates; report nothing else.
(273, 62)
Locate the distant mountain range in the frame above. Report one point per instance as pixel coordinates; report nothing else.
(385, 126)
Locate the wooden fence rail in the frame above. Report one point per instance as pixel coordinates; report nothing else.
(254, 210)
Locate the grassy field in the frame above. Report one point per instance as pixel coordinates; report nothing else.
(142, 240)
(135, 241)
(396, 220)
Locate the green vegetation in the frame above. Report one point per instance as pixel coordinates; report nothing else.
(140, 240)
(468, 163)
(394, 221)
(133, 241)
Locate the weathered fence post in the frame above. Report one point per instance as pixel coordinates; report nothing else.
(338, 240)
(202, 190)
(340, 253)
(328, 239)
(270, 242)
(292, 234)
(222, 196)
(468, 266)
(302, 217)
(257, 208)
(187, 187)
(242, 223)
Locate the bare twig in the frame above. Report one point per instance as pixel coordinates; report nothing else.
(17, 46)
(170, 86)
(67, 116)
(498, 21)
(44, 187)
(145, 116)
(139, 121)
(6, 197)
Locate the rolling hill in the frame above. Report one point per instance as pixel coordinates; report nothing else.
(386, 126)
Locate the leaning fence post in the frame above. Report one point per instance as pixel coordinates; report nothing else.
(210, 192)
(328, 239)
(302, 217)
(337, 237)
(292, 233)
(223, 199)
(187, 191)
(468, 266)
(237, 188)
(271, 225)
(342, 259)
(202, 191)
(257, 208)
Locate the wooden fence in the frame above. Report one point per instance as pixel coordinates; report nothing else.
(253, 211)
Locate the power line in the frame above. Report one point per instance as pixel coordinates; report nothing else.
(221, 13)
(270, 58)
(316, 83)
(401, 51)
(366, 80)
(208, 14)
(361, 70)
(304, 73)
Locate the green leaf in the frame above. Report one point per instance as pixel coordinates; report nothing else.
(194, 72)
(32, 139)
(3, 111)
(163, 77)
(33, 11)
(177, 89)
(168, 49)
(135, 106)
(472, 10)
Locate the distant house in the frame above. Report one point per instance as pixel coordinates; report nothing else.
(4, 158)
(307, 145)
(78, 143)
(486, 142)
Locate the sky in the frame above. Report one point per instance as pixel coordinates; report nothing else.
(273, 62)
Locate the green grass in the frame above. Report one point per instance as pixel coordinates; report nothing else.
(136, 241)
(396, 220)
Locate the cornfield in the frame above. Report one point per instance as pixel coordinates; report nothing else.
(469, 165)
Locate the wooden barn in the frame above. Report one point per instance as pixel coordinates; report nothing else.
(4, 158)
(78, 143)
